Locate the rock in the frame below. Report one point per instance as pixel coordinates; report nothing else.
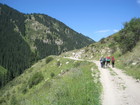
(58, 42)
(67, 62)
(137, 80)
(134, 63)
(58, 59)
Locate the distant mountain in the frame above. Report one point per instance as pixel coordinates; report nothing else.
(26, 38)
(48, 36)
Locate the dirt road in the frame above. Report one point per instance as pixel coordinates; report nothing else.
(118, 88)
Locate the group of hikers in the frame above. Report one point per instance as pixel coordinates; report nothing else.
(105, 62)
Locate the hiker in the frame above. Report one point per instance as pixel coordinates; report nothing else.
(107, 61)
(101, 61)
(113, 61)
(104, 62)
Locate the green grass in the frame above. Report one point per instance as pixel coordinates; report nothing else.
(126, 62)
(133, 71)
(71, 84)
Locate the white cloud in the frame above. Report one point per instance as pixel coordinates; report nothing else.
(106, 31)
(115, 30)
(138, 1)
(102, 31)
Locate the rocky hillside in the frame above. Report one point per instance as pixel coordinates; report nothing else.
(44, 31)
(26, 38)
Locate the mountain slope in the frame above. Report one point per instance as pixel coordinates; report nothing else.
(42, 30)
(54, 80)
(130, 62)
(24, 39)
(15, 52)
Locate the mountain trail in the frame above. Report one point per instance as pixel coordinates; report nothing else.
(118, 88)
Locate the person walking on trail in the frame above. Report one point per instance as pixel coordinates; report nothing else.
(104, 62)
(113, 61)
(107, 61)
(101, 61)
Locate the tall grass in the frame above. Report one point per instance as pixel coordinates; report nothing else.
(130, 62)
(75, 87)
(72, 84)
(131, 70)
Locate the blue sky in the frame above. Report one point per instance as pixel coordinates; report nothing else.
(94, 18)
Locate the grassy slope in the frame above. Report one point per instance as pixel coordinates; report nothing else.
(66, 82)
(130, 62)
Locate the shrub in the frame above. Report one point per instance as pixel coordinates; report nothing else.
(35, 79)
(129, 36)
(77, 64)
(7, 96)
(52, 75)
(58, 63)
(24, 89)
(2, 100)
(67, 70)
(13, 101)
(48, 59)
(102, 41)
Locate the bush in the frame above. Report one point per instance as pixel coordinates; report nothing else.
(2, 100)
(129, 36)
(35, 79)
(13, 101)
(58, 63)
(48, 59)
(77, 64)
(102, 41)
(24, 89)
(52, 75)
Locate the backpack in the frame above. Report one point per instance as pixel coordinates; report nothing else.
(101, 60)
(113, 59)
(104, 59)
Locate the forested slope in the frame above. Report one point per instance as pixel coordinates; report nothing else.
(26, 38)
